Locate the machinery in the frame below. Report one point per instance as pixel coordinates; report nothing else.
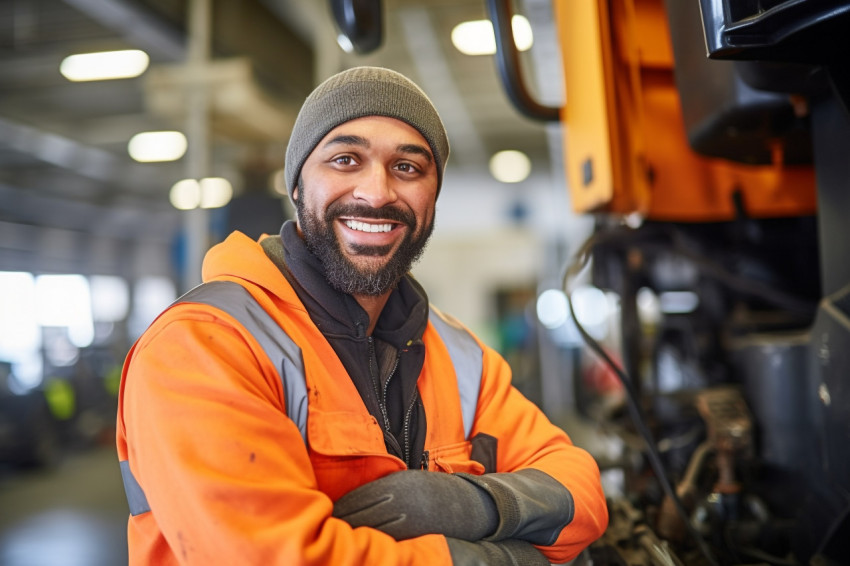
(709, 139)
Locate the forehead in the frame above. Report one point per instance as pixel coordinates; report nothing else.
(376, 129)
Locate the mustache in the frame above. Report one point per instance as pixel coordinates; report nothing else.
(393, 213)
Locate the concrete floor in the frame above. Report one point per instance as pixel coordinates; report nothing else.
(72, 515)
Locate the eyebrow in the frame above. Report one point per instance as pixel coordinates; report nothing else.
(349, 139)
(416, 149)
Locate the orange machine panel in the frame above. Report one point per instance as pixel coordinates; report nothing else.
(589, 159)
(626, 149)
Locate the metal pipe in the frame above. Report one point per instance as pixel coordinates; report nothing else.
(196, 221)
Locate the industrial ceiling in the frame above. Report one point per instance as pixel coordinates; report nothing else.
(71, 198)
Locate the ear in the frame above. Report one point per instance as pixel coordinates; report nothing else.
(294, 194)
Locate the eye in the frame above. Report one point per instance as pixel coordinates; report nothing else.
(343, 159)
(407, 167)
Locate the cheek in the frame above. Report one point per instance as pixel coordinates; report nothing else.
(424, 209)
(315, 197)
(420, 198)
(328, 192)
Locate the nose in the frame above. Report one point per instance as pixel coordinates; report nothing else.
(375, 187)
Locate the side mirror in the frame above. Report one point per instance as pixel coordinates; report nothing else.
(361, 22)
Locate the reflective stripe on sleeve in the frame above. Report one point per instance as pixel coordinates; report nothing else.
(135, 496)
(468, 361)
(281, 350)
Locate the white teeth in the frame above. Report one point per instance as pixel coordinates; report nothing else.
(364, 227)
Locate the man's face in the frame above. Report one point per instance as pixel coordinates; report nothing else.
(366, 203)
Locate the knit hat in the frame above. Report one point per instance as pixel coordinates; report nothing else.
(359, 92)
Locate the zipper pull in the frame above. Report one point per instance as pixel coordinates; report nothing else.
(423, 463)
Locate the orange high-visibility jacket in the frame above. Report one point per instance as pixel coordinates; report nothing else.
(226, 475)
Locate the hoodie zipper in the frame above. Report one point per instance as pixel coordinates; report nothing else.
(407, 416)
(382, 401)
(381, 392)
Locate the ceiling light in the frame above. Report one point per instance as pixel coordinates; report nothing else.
(105, 65)
(476, 37)
(510, 166)
(185, 194)
(149, 147)
(523, 37)
(215, 192)
(210, 192)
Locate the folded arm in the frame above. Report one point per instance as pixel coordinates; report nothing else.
(527, 505)
(491, 519)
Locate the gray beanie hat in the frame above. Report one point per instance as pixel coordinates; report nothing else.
(359, 92)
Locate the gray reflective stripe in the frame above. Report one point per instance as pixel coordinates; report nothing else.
(281, 350)
(283, 353)
(135, 496)
(468, 361)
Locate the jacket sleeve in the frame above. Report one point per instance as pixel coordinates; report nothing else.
(528, 440)
(225, 472)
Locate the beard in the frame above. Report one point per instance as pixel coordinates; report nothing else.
(343, 274)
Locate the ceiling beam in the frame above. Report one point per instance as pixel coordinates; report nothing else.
(136, 25)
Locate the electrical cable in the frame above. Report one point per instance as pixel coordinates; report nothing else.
(833, 528)
(633, 405)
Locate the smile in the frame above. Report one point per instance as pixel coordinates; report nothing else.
(366, 227)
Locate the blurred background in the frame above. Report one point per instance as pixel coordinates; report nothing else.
(134, 134)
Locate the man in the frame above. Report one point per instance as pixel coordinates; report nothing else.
(306, 406)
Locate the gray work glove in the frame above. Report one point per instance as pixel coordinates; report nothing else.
(510, 552)
(533, 506)
(412, 503)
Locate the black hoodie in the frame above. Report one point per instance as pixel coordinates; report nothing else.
(385, 366)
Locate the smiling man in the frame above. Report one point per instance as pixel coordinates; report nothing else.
(306, 405)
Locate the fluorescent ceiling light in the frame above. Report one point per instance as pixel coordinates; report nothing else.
(510, 166)
(215, 192)
(210, 192)
(104, 65)
(476, 37)
(185, 194)
(148, 147)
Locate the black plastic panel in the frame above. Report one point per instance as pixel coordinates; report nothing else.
(775, 30)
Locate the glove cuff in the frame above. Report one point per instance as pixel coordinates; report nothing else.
(509, 512)
(532, 505)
